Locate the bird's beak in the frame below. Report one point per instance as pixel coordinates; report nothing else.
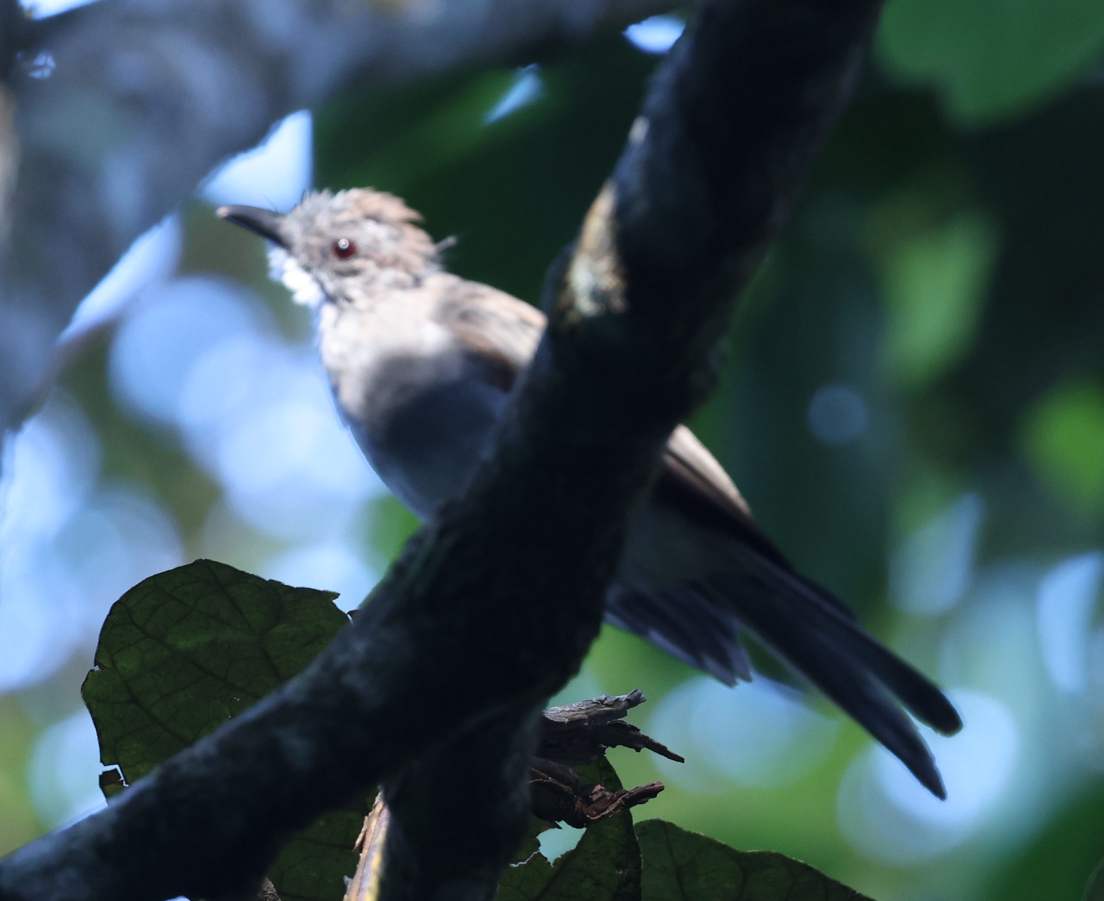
(265, 223)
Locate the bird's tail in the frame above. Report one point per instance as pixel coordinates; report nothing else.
(819, 637)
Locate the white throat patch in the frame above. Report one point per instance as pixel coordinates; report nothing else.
(304, 289)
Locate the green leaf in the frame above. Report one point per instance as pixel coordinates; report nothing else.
(1064, 440)
(186, 650)
(685, 866)
(604, 866)
(991, 59)
(314, 864)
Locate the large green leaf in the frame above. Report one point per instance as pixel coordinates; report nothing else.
(186, 650)
(991, 59)
(685, 866)
(604, 866)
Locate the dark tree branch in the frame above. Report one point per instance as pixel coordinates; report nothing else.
(460, 813)
(560, 796)
(457, 816)
(493, 604)
(149, 95)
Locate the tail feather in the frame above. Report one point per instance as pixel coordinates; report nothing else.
(922, 697)
(793, 618)
(873, 709)
(685, 624)
(812, 630)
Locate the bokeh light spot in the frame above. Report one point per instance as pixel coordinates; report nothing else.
(1066, 599)
(837, 414)
(656, 34)
(273, 175)
(65, 769)
(934, 566)
(758, 733)
(330, 567)
(159, 342)
(526, 89)
(888, 816)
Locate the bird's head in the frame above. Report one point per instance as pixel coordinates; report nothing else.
(346, 248)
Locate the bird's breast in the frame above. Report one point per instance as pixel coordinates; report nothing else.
(420, 408)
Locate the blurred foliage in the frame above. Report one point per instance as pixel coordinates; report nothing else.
(934, 284)
(389, 524)
(991, 59)
(944, 270)
(1063, 436)
(18, 824)
(1094, 891)
(1058, 861)
(512, 190)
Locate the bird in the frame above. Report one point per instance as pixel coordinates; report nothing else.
(421, 363)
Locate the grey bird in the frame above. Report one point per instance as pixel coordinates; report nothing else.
(421, 363)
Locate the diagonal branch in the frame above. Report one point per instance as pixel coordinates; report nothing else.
(493, 604)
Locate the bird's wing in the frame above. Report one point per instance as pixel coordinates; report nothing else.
(699, 471)
(692, 481)
(502, 331)
(505, 331)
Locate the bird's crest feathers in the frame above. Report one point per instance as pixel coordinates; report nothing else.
(390, 251)
(354, 205)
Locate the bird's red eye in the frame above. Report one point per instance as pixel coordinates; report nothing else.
(343, 248)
